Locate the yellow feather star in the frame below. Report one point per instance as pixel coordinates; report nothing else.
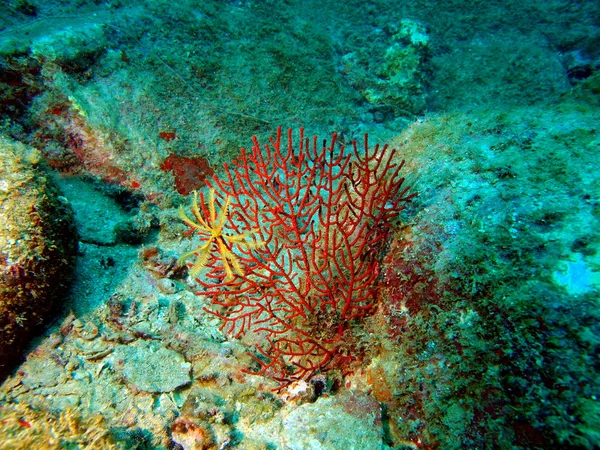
(213, 226)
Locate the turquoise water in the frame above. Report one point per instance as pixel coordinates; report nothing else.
(482, 326)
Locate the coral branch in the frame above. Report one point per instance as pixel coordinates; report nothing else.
(321, 215)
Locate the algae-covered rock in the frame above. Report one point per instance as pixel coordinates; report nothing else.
(349, 421)
(402, 78)
(153, 368)
(41, 428)
(38, 246)
(67, 41)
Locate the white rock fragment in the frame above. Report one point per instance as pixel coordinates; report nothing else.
(153, 368)
(334, 424)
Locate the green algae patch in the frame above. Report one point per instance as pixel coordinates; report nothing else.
(491, 288)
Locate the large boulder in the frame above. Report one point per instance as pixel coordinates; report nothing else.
(38, 247)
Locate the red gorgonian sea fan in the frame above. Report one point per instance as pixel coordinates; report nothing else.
(299, 228)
